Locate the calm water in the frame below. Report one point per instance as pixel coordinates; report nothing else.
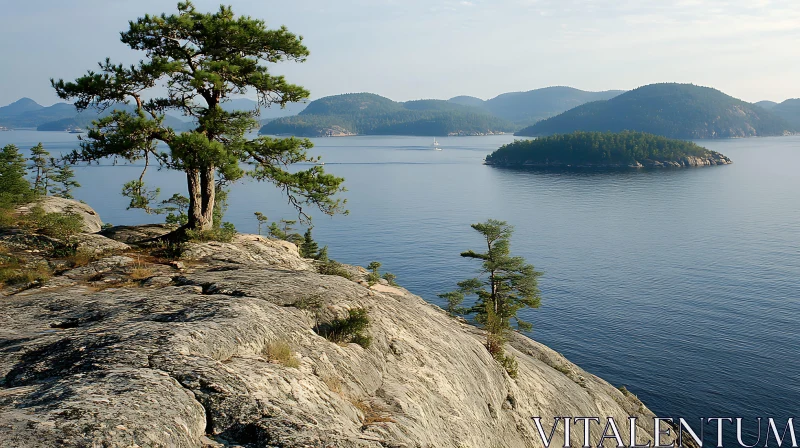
(683, 285)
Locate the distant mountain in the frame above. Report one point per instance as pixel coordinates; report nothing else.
(526, 108)
(367, 113)
(18, 107)
(26, 113)
(467, 101)
(766, 104)
(266, 113)
(789, 110)
(671, 110)
(84, 120)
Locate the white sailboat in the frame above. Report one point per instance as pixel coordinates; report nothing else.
(436, 145)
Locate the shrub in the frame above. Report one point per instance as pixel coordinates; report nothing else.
(390, 278)
(374, 276)
(168, 250)
(334, 268)
(13, 271)
(223, 234)
(494, 344)
(280, 352)
(57, 225)
(510, 364)
(79, 258)
(348, 330)
(7, 218)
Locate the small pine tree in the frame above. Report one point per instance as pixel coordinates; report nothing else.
(276, 232)
(64, 179)
(309, 247)
(262, 219)
(374, 276)
(374, 266)
(509, 285)
(390, 278)
(285, 231)
(40, 168)
(14, 188)
(176, 208)
(323, 254)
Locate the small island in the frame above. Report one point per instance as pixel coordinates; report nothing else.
(604, 150)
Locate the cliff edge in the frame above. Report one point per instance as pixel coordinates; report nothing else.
(134, 351)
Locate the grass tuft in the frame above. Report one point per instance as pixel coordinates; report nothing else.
(279, 351)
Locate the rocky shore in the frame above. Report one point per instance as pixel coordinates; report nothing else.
(134, 350)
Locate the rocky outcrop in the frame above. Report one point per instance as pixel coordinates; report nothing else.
(137, 234)
(124, 352)
(249, 250)
(52, 204)
(92, 243)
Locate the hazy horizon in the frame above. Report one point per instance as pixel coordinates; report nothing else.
(445, 48)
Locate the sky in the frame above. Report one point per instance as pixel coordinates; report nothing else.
(413, 49)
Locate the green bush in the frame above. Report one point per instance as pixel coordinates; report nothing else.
(223, 234)
(348, 330)
(334, 268)
(390, 278)
(14, 271)
(61, 226)
(510, 364)
(375, 274)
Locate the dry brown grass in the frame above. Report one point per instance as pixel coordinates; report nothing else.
(141, 273)
(333, 383)
(80, 259)
(280, 352)
(373, 413)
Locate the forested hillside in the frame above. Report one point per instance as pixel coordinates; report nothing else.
(789, 110)
(671, 110)
(370, 114)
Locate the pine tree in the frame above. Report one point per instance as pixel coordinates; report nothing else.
(14, 188)
(199, 61)
(322, 255)
(262, 219)
(63, 177)
(276, 232)
(508, 284)
(285, 231)
(374, 276)
(309, 247)
(39, 165)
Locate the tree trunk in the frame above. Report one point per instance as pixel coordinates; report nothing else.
(201, 198)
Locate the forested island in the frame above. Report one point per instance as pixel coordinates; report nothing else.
(370, 114)
(672, 110)
(604, 150)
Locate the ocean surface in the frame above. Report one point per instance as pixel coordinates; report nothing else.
(683, 285)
